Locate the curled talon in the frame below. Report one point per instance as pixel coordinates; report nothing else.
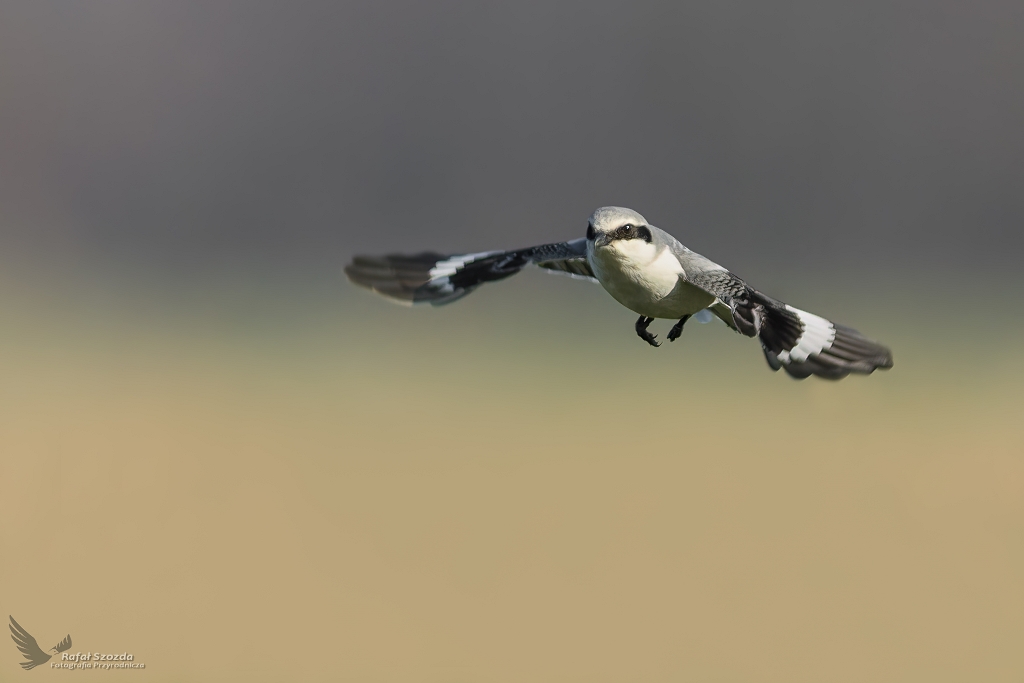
(677, 330)
(641, 330)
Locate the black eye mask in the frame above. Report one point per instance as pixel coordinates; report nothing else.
(632, 232)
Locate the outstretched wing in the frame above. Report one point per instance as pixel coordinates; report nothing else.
(801, 343)
(438, 279)
(573, 267)
(28, 646)
(733, 303)
(64, 644)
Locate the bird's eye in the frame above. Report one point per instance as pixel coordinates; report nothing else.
(590, 232)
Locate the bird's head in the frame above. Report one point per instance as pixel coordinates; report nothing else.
(614, 227)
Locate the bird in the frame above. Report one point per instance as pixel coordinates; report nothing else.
(651, 273)
(30, 649)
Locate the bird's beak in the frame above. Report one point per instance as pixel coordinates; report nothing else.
(602, 240)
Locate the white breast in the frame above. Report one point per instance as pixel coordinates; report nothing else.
(645, 279)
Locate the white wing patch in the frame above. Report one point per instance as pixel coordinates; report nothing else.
(817, 336)
(440, 273)
(452, 265)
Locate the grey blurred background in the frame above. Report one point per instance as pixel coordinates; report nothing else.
(194, 135)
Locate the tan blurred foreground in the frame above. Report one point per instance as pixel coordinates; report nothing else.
(366, 493)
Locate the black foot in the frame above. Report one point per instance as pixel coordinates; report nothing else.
(677, 329)
(641, 329)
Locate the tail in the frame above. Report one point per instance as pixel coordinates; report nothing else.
(804, 344)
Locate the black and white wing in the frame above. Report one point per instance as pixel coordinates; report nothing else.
(28, 646)
(801, 343)
(438, 279)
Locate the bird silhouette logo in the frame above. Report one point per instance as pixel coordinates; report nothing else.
(30, 648)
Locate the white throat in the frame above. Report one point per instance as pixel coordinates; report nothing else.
(635, 272)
